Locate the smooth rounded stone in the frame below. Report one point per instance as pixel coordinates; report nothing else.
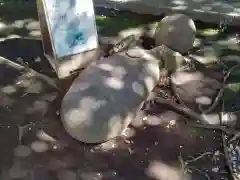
(22, 151)
(106, 96)
(39, 146)
(176, 31)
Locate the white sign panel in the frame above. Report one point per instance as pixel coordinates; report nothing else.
(72, 26)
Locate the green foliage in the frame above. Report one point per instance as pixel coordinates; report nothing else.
(111, 26)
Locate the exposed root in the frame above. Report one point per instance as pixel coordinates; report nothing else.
(199, 157)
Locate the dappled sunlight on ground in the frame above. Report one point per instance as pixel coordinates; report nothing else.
(35, 144)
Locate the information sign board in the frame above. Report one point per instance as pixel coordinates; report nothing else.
(68, 30)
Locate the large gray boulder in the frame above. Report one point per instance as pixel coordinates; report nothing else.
(176, 31)
(106, 96)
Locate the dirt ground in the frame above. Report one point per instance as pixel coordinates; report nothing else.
(34, 145)
(48, 153)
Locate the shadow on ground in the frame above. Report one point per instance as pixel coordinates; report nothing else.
(148, 153)
(144, 153)
(29, 51)
(25, 96)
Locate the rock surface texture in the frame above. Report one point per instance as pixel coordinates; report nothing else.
(106, 96)
(171, 60)
(177, 32)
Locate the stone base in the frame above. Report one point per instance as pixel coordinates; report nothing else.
(64, 67)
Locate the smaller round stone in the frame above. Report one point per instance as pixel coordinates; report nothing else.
(176, 31)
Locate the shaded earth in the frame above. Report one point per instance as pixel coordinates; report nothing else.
(31, 121)
(34, 145)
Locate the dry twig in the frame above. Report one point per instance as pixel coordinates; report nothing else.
(199, 157)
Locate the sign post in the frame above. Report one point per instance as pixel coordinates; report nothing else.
(69, 34)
